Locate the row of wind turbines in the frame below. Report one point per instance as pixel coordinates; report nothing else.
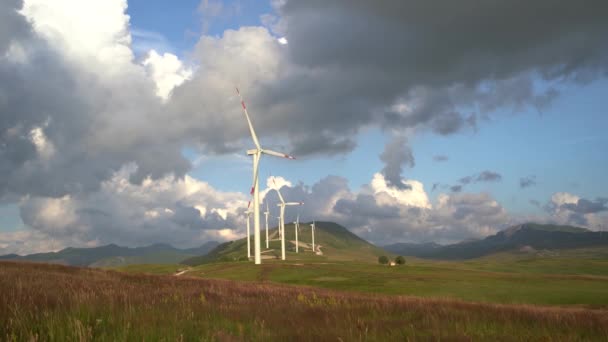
(281, 227)
(257, 153)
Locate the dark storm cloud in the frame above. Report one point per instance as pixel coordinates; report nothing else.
(397, 153)
(528, 181)
(437, 42)
(440, 158)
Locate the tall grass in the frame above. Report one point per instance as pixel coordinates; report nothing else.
(59, 303)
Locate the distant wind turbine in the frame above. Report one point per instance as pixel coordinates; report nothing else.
(282, 206)
(257, 154)
(312, 229)
(296, 228)
(266, 213)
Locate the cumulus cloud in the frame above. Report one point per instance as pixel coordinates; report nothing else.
(184, 212)
(567, 208)
(167, 71)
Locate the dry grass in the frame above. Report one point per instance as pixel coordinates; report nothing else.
(59, 303)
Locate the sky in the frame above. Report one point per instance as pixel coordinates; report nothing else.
(411, 122)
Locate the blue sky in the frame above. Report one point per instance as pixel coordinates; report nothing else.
(562, 147)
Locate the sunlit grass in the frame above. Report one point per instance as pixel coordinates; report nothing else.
(52, 302)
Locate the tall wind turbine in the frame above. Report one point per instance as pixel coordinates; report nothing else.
(312, 229)
(282, 206)
(257, 154)
(266, 213)
(296, 228)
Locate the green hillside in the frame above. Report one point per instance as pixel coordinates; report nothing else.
(333, 242)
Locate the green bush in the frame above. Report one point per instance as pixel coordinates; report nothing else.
(400, 260)
(383, 260)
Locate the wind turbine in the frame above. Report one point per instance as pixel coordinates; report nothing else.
(257, 154)
(312, 229)
(296, 228)
(282, 205)
(266, 213)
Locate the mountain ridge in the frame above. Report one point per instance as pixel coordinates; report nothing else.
(531, 235)
(114, 255)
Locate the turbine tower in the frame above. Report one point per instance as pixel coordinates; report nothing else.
(282, 206)
(256, 153)
(266, 213)
(296, 228)
(312, 229)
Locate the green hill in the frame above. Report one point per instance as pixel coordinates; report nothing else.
(333, 242)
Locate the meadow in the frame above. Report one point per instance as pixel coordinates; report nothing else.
(59, 303)
(577, 277)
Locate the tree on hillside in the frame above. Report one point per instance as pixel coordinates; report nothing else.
(400, 260)
(383, 260)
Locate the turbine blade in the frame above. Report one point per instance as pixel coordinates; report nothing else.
(277, 190)
(294, 203)
(251, 130)
(277, 154)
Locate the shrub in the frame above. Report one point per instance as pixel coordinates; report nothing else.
(400, 260)
(383, 260)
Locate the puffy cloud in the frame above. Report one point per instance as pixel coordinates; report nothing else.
(182, 212)
(167, 71)
(567, 208)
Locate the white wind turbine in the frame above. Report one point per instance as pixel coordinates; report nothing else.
(266, 213)
(312, 229)
(282, 206)
(257, 154)
(297, 228)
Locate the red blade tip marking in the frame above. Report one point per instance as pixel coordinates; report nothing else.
(243, 104)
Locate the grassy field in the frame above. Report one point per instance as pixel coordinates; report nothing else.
(59, 303)
(571, 277)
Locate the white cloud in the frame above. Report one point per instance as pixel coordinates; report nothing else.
(413, 195)
(167, 71)
(85, 31)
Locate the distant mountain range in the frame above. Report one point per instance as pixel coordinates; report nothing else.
(113, 255)
(529, 237)
(335, 241)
